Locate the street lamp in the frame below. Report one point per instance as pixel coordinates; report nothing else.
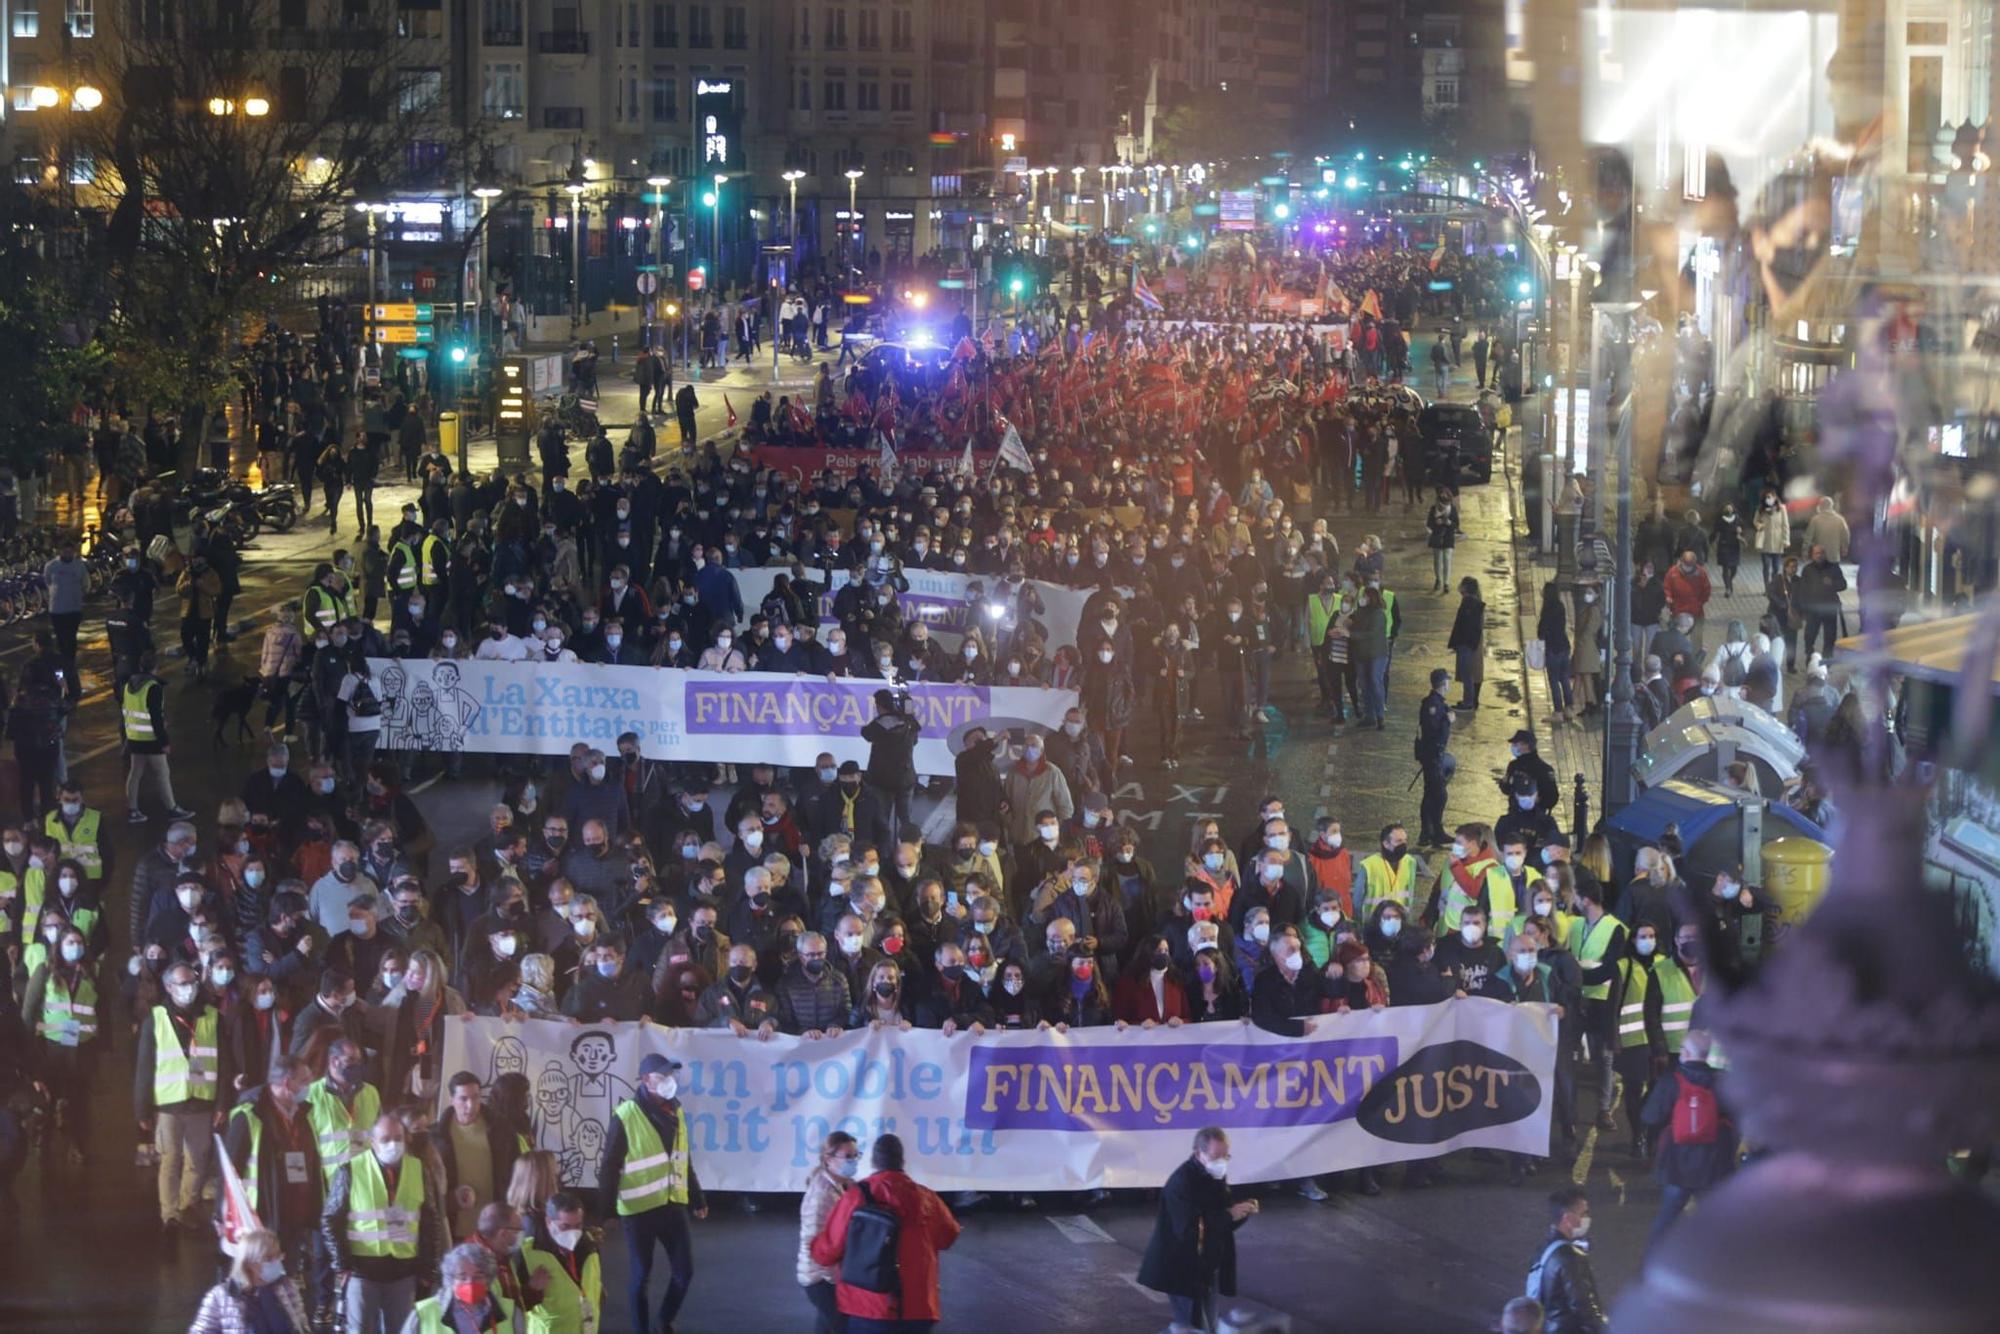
(574, 186)
(659, 186)
(853, 175)
(485, 192)
(716, 206)
(1075, 192)
(792, 179)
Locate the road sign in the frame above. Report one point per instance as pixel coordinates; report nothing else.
(402, 312)
(695, 279)
(648, 283)
(406, 333)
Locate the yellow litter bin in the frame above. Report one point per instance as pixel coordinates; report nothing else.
(450, 443)
(1795, 874)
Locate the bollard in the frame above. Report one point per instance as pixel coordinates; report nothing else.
(614, 349)
(1581, 828)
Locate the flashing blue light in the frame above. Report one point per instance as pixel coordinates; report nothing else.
(922, 338)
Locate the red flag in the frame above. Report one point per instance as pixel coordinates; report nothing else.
(1437, 257)
(1372, 304)
(730, 408)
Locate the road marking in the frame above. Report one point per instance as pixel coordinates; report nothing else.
(1081, 1230)
(1156, 1298)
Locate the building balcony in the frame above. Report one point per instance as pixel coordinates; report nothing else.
(562, 118)
(563, 43)
(500, 36)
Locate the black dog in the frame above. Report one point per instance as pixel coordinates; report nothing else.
(235, 702)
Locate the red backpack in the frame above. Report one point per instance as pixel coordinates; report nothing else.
(1697, 1115)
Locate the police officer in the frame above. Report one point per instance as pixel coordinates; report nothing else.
(1433, 739)
(648, 1180)
(125, 626)
(142, 708)
(1538, 771)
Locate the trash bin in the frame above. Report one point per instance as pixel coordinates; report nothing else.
(451, 441)
(1796, 870)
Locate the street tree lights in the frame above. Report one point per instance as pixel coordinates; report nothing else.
(853, 175)
(83, 98)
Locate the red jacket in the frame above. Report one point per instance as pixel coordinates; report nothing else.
(1134, 999)
(1335, 871)
(928, 1228)
(1686, 592)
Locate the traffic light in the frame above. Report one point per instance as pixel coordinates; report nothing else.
(1281, 211)
(1193, 242)
(1152, 227)
(458, 354)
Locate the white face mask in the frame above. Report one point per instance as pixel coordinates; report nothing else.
(1460, 851)
(389, 1154)
(1217, 1168)
(664, 1087)
(1047, 832)
(566, 1237)
(850, 945)
(1471, 933)
(1260, 932)
(1544, 907)
(1524, 964)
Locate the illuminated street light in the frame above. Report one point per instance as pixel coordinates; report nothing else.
(44, 96)
(256, 106)
(221, 106)
(86, 98)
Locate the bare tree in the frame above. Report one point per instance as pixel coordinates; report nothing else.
(236, 137)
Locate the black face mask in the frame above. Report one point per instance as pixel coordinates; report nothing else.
(814, 968)
(346, 871)
(702, 930)
(555, 840)
(1396, 854)
(885, 989)
(849, 788)
(739, 974)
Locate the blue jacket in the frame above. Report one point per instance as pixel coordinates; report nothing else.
(720, 597)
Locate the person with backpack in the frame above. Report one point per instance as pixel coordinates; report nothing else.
(364, 717)
(830, 1179)
(884, 1237)
(647, 1181)
(1697, 1143)
(1561, 1278)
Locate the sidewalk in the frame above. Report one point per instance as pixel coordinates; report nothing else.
(1577, 748)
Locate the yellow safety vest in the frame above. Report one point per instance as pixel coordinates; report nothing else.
(406, 573)
(430, 1314)
(435, 555)
(376, 1225)
(1499, 898)
(1380, 883)
(79, 844)
(256, 1143)
(323, 606)
(181, 1076)
(1676, 1002)
(1632, 1010)
(34, 886)
(1591, 951)
(652, 1176)
(566, 1307)
(1321, 608)
(136, 708)
(34, 956)
(68, 1018)
(342, 1137)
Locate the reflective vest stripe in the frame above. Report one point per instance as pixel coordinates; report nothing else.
(435, 554)
(430, 1315)
(406, 573)
(183, 1076)
(653, 1174)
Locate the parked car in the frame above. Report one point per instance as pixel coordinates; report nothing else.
(1456, 430)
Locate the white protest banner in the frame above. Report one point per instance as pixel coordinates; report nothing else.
(530, 708)
(939, 598)
(1041, 1110)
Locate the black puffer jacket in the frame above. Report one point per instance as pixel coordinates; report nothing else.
(806, 1006)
